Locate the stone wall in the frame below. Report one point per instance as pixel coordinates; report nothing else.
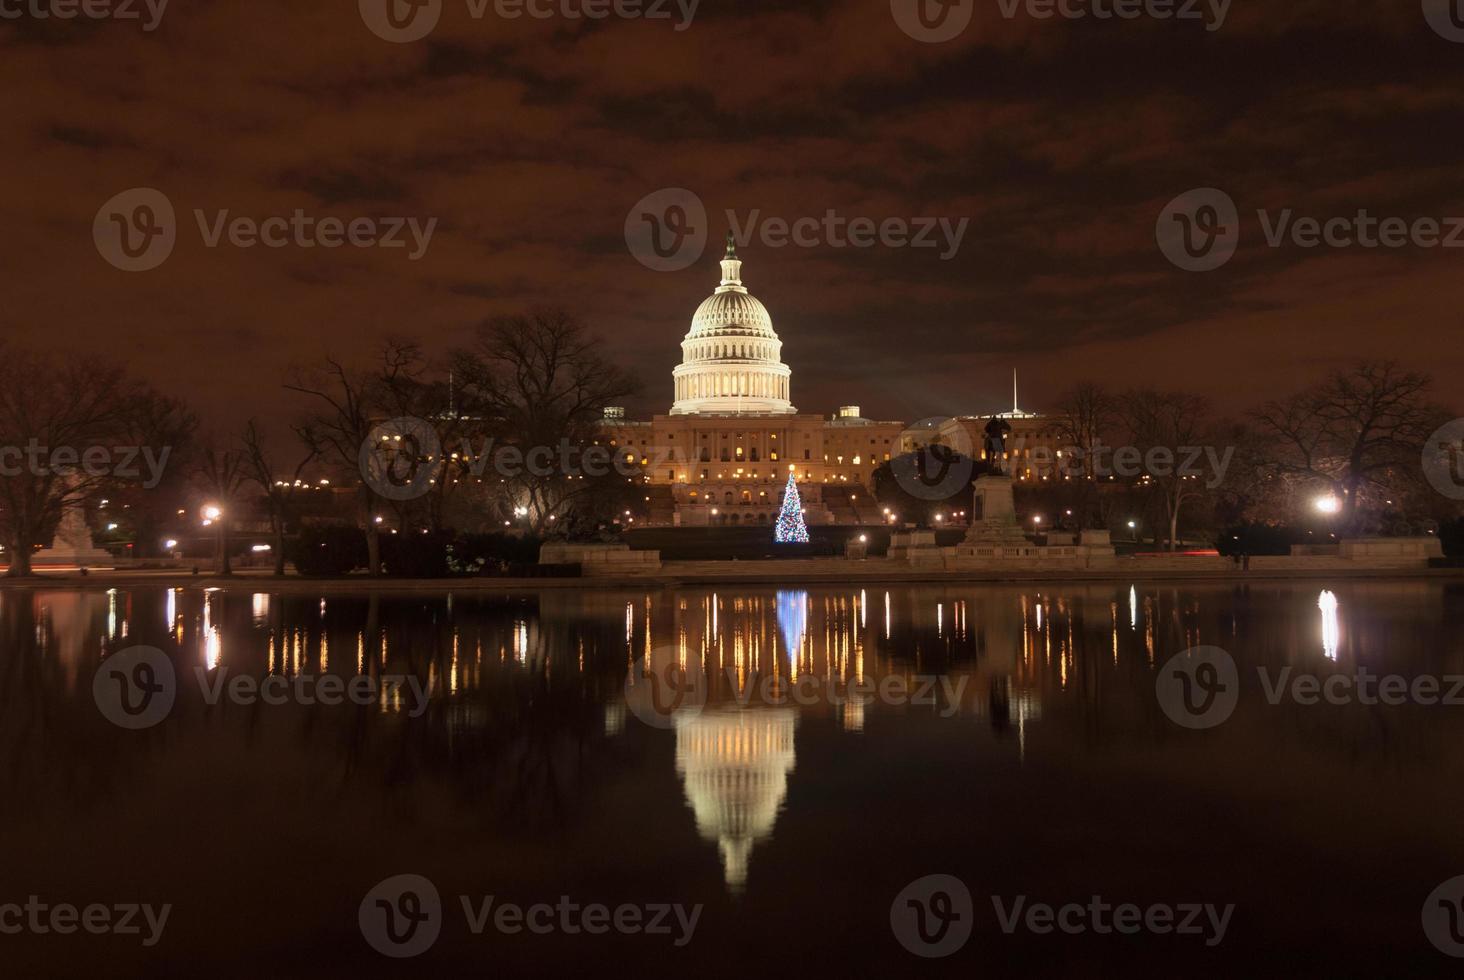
(601, 559)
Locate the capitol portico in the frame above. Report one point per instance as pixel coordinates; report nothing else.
(723, 453)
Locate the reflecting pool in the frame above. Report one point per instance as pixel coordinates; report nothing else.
(786, 760)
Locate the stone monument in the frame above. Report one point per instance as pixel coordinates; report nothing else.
(73, 543)
(993, 512)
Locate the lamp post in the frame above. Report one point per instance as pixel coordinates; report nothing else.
(214, 514)
(1329, 507)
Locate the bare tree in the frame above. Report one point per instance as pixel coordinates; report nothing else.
(278, 488)
(350, 404)
(1351, 432)
(220, 473)
(1163, 425)
(150, 505)
(540, 382)
(1086, 415)
(60, 419)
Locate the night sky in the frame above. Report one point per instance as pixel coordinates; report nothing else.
(529, 141)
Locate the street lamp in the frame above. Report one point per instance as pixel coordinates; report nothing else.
(212, 515)
(1327, 504)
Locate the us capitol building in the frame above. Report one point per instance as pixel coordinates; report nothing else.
(723, 453)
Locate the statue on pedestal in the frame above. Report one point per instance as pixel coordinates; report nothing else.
(997, 431)
(993, 512)
(72, 544)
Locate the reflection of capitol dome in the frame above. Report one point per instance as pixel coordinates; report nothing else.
(735, 766)
(731, 359)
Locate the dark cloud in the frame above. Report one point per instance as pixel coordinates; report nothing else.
(529, 141)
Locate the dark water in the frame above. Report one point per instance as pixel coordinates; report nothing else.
(1017, 745)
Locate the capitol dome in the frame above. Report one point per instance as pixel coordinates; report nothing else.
(731, 358)
(734, 765)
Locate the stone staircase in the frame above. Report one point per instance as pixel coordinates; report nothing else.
(850, 504)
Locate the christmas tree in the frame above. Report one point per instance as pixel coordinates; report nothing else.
(790, 521)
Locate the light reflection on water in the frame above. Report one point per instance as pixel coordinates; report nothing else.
(1045, 672)
(1029, 637)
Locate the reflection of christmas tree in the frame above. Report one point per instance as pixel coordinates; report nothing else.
(790, 527)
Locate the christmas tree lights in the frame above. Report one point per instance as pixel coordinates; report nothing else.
(790, 528)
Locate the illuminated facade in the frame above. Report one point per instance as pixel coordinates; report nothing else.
(723, 453)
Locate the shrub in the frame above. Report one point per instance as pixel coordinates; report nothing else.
(416, 555)
(496, 549)
(1260, 539)
(329, 550)
(1451, 533)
